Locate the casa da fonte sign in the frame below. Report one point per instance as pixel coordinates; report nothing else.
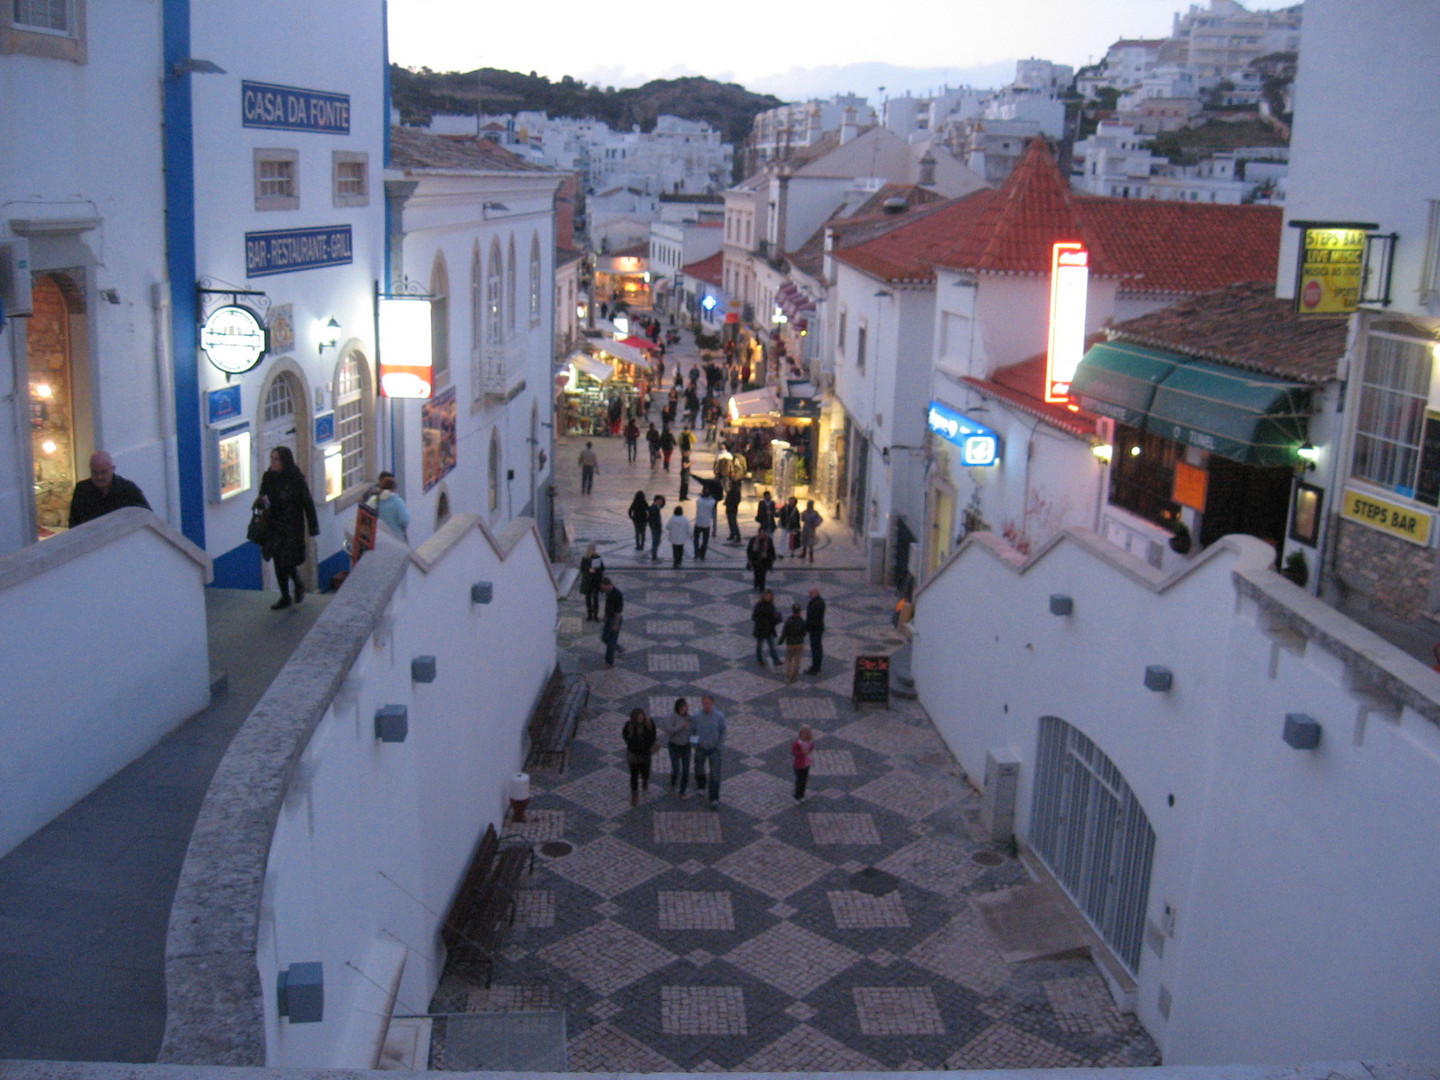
(292, 108)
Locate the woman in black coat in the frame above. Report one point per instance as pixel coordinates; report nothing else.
(639, 514)
(289, 510)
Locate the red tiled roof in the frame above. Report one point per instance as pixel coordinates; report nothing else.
(1246, 326)
(414, 149)
(711, 270)
(1022, 386)
(634, 251)
(1164, 247)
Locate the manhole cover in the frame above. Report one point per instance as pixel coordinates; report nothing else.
(873, 881)
(987, 858)
(556, 849)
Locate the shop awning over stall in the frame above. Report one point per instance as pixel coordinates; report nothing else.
(754, 407)
(629, 354)
(588, 365)
(1241, 415)
(636, 342)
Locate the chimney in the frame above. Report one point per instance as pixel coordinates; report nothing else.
(848, 127)
(782, 209)
(927, 170)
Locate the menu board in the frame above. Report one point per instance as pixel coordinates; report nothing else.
(1427, 487)
(872, 681)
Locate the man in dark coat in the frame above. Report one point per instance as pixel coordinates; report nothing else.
(759, 557)
(815, 625)
(610, 628)
(103, 492)
(732, 510)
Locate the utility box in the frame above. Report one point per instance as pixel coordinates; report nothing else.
(15, 277)
(997, 801)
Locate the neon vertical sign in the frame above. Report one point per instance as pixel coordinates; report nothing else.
(1069, 282)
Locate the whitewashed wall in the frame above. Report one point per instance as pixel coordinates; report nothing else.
(1302, 882)
(105, 652)
(339, 848)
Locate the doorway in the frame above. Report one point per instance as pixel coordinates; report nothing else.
(283, 415)
(54, 438)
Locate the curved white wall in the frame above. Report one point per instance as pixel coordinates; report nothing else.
(1302, 882)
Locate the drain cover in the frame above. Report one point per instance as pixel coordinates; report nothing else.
(556, 849)
(873, 881)
(987, 858)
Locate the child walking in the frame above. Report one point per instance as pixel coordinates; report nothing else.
(802, 753)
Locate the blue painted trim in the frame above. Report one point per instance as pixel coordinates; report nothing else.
(239, 568)
(181, 264)
(329, 568)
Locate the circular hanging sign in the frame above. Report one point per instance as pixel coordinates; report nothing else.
(234, 339)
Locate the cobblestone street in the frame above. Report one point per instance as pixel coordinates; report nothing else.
(836, 933)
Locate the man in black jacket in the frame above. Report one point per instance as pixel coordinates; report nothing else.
(103, 492)
(815, 625)
(732, 510)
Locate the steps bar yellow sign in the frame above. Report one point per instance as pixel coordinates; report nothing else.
(1406, 522)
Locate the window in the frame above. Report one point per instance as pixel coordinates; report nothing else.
(351, 419)
(477, 325)
(535, 281)
(439, 321)
(510, 290)
(1430, 269)
(351, 178)
(840, 338)
(494, 331)
(494, 471)
(277, 180)
(1142, 476)
(861, 333)
(1391, 418)
(49, 28)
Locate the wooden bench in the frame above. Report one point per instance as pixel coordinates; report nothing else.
(484, 904)
(555, 719)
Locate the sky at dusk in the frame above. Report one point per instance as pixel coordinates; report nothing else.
(795, 50)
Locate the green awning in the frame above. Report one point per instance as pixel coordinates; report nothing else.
(1249, 418)
(1118, 379)
(1236, 414)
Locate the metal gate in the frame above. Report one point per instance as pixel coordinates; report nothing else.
(1092, 833)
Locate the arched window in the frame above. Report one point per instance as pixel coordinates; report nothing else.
(352, 419)
(510, 289)
(439, 321)
(495, 332)
(494, 471)
(477, 324)
(535, 280)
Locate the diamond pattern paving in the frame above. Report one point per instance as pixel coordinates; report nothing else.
(830, 935)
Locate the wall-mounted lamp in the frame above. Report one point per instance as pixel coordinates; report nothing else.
(1307, 456)
(329, 335)
(300, 993)
(392, 723)
(487, 207)
(1135, 451)
(1103, 452)
(482, 592)
(1159, 679)
(884, 294)
(422, 669)
(192, 66)
(1060, 604)
(1301, 732)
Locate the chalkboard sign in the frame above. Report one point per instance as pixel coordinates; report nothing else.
(365, 522)
(872, 680)
(1427, 489)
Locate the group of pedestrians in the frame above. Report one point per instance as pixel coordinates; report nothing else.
(793, 631)
(696, 738)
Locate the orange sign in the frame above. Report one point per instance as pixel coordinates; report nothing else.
(1190, 486)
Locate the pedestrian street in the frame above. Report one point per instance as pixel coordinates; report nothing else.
(837, 933)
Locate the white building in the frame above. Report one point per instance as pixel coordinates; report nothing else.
(786, 129)
(477, 234)
(86, 344)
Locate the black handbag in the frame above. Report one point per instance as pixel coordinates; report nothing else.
(259, 528)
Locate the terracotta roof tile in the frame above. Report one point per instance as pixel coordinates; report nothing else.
(1245, 326)
(1022, 386)
(413, 149)
(710, 271)
(1156, 247)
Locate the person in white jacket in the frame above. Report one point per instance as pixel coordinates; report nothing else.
(678, 528)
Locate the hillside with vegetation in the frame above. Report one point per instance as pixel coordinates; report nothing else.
(422, 93)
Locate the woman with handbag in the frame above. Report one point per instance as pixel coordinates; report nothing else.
(289, 512)
(640, 742)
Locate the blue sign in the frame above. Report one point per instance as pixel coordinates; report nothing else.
(290, 108)
(279, 251)
(978, 444)
(325, 428)
(223, 404)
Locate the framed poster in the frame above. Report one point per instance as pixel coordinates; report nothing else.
(437, 432)
(1305, 514)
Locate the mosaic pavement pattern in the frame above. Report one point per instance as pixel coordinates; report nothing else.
(770, 935)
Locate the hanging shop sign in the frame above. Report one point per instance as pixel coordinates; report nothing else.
(234, 339)
(292, 108)
(978, 444)
(1332, 267)
(406, 348)
(280, 251)
(1406, 522)
(1069, 285)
